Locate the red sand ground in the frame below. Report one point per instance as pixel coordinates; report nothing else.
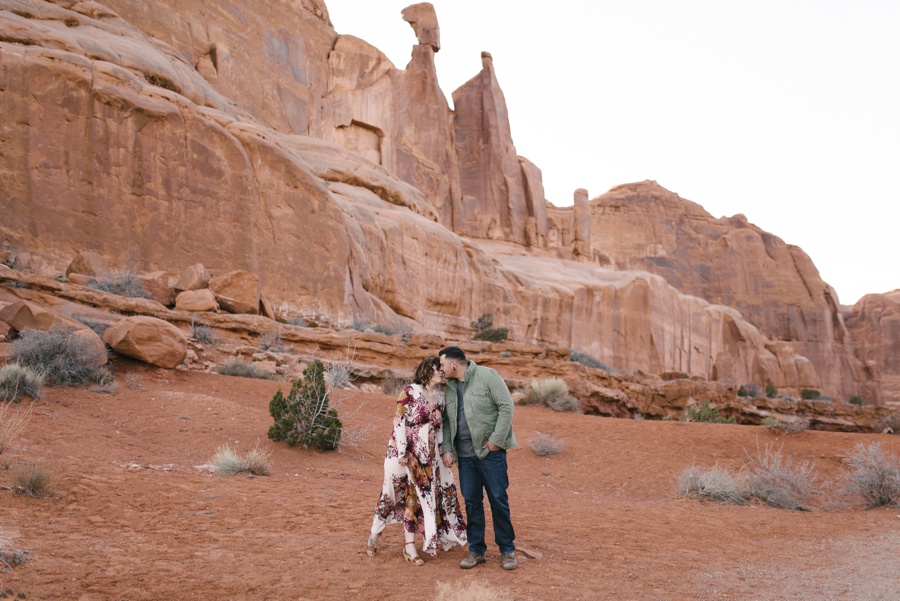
(136, 515)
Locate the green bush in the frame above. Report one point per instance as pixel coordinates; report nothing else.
(241, 369)
(304, 417)
(809, 394)
(64, 358)
(771, 390)
(855, 400)
(17, 382)
(706, 413)
(482, 329)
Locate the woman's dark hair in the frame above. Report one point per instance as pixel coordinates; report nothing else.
(426, 370)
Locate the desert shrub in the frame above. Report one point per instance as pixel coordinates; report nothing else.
(873, 475)
(773, 424)
(545, 445)
(17, 381)
(338, 375)
(705, 412)
(272, 341)
(64, 358)
(10, 557)
(890, 423)
(226, 462)
(99, 327)
(715, 484)
(132, 381)
(392, 385)
(748, 390)
(550, 392)
(360, 325)
(242, 369)
(771, 390)
(470, 591)
(809, 394)
(32, 479)
(304, 416)
(202, 333)
(482, 329)
(779, 481)
(11, 424)
(122, 284)
(588, 361)
(855, 400)
(106, 383)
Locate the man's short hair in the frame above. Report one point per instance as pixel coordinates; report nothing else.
(455, 353)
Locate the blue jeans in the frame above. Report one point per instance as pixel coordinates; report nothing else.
(477, 476)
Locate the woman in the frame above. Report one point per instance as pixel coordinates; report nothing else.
(418, 490)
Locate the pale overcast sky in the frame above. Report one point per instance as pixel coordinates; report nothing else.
(786, 111)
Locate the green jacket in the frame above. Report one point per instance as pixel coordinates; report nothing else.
(489, 410)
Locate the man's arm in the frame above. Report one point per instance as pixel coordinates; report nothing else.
(503, 402)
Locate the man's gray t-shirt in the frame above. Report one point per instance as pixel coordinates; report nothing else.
(464, 446)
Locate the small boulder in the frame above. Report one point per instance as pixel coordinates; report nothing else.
(157, 285)
(20, 315)
(194, 277)
(237, 292)
(88, 263)
(196, 301)
(92, 344)
(148, 339)
(266, 309)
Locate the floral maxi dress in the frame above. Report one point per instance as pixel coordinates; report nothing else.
(421, 495)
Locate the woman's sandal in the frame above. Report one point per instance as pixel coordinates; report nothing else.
(372, 545)
(414, 559)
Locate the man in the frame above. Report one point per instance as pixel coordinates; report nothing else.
(477, 425)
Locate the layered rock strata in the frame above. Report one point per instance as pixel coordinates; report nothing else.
(731, 262)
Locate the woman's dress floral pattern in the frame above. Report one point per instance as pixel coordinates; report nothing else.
(421, 495)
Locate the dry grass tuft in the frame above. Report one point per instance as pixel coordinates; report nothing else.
(33, 480)
(550, 392)
(545, 445)
(873, 475)
(792, 426)
(227, 462)
(470, 591)
(715, 483)
(17, 381)
(12, 424)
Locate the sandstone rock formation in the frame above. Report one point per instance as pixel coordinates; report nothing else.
(148, 339)
(731, 262)
(346, 185)
(88, 263)
(874, 325)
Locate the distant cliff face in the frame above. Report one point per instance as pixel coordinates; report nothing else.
(874, 323)
(729, 261)
(247, 135)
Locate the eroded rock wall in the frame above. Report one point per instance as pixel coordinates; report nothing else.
(731, 262)
(874, 324)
